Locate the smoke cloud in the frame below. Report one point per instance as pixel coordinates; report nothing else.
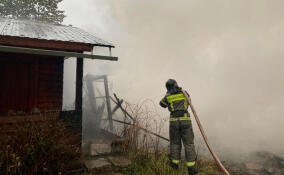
(227, 54)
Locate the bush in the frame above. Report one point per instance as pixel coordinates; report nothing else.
(37, 148)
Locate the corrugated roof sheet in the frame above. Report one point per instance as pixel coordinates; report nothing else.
(45, 31)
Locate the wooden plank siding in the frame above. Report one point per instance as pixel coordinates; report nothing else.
(50, 84)
(30, 81)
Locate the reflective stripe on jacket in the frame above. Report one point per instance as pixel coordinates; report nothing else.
(185, 117)
(176, 103)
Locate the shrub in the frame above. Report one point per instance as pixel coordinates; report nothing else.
(37, 148)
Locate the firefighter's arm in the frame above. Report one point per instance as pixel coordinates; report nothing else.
(164, 103)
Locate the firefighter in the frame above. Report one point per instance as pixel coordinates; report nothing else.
(180, 127)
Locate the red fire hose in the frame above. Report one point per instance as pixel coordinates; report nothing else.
(221, 166)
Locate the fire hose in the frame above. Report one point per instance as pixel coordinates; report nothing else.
(215, 157)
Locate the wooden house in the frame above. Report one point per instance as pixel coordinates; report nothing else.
(32, 64)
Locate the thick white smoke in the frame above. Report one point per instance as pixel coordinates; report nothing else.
(227, 53)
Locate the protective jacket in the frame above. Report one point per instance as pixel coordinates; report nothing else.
(176, 102)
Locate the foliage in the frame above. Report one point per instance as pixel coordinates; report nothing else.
(41, 10)
(37, 149)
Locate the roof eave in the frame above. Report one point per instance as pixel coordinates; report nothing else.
(103, 45)
(24, 50)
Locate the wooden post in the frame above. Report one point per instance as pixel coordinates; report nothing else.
(108, 103)
(79, 85)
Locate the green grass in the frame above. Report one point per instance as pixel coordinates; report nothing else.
(158, 164)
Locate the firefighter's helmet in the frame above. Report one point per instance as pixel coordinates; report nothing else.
(171, 84)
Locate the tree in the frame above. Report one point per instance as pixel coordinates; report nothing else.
(42, 10)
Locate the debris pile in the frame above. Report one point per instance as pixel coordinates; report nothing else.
(258, 163)
(105, 157)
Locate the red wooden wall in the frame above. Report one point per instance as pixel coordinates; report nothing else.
(30, 81)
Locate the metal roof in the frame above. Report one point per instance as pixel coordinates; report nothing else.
(46, 31)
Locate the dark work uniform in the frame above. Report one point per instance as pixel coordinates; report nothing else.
(180, 127)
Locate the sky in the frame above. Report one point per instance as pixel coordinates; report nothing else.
(227, 54)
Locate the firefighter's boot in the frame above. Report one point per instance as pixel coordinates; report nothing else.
(174, 165)
(192, 170)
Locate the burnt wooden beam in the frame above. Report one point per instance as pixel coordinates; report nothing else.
(123, 110)
(116, 107)
(122, 122)
(108, 103)
(132, 118)
(91, 94)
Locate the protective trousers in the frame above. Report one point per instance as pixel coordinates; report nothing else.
(181, 130)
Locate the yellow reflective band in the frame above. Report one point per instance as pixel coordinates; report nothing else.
(164, 102)
(185, 117)
(175, 161)
(172, 107)
(185, 104)
(190, 163)
(176, 97)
